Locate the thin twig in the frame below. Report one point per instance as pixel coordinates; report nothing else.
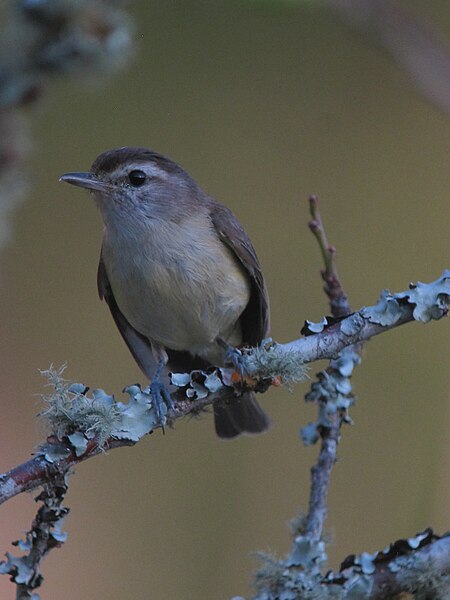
(330, 434)
(338, 300)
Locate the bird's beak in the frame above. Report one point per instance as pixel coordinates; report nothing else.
(86, 180)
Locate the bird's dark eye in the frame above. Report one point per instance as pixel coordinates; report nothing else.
(137, 177)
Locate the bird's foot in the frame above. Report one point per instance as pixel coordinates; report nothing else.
(235, 358)
(161, 400)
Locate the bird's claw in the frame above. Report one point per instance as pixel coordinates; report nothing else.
(162, 401)
(234, 357)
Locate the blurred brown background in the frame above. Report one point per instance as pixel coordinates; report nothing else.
(263, 104)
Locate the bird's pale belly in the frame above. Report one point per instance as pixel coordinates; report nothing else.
(185, 305)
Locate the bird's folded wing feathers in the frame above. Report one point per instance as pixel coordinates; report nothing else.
(255, 318)
(139, 345)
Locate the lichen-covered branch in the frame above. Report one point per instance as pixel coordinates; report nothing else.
(85, 424)
(333, 396)
(332, 399)
(422, 302)
(285, 363)
(419, 565)
(44, 535)
(403, 567)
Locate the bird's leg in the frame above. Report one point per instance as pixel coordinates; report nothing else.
(234, 357)
(160, 394)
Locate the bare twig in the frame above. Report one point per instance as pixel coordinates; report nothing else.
(338, 300)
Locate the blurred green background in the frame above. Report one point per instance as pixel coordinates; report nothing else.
(264, 104)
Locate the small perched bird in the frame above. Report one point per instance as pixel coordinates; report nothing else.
(178, 272)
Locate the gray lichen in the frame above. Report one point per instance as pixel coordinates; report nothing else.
(45, 534)
(430, 302)
(77, 415)
(269, 361)
(70, 410)
(332, 392)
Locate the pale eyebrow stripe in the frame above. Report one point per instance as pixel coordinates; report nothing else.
(151, 169)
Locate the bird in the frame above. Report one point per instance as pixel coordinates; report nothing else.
(179, 273)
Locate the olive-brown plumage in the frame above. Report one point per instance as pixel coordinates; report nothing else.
(178, 272)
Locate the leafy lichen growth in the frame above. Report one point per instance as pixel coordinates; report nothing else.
(430, 302)
(76, 416)
(70, 410)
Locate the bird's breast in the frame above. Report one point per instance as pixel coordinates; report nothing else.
(178, 284)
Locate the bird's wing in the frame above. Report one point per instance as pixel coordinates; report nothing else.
(255, 317)
(138, 344)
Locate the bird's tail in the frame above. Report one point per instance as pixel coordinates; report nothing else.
(239, 415)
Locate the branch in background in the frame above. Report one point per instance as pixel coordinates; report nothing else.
(414, 44)
(41, 40)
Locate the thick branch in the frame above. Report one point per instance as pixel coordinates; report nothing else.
(355, 329)
(40, 470)
(425, 571)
